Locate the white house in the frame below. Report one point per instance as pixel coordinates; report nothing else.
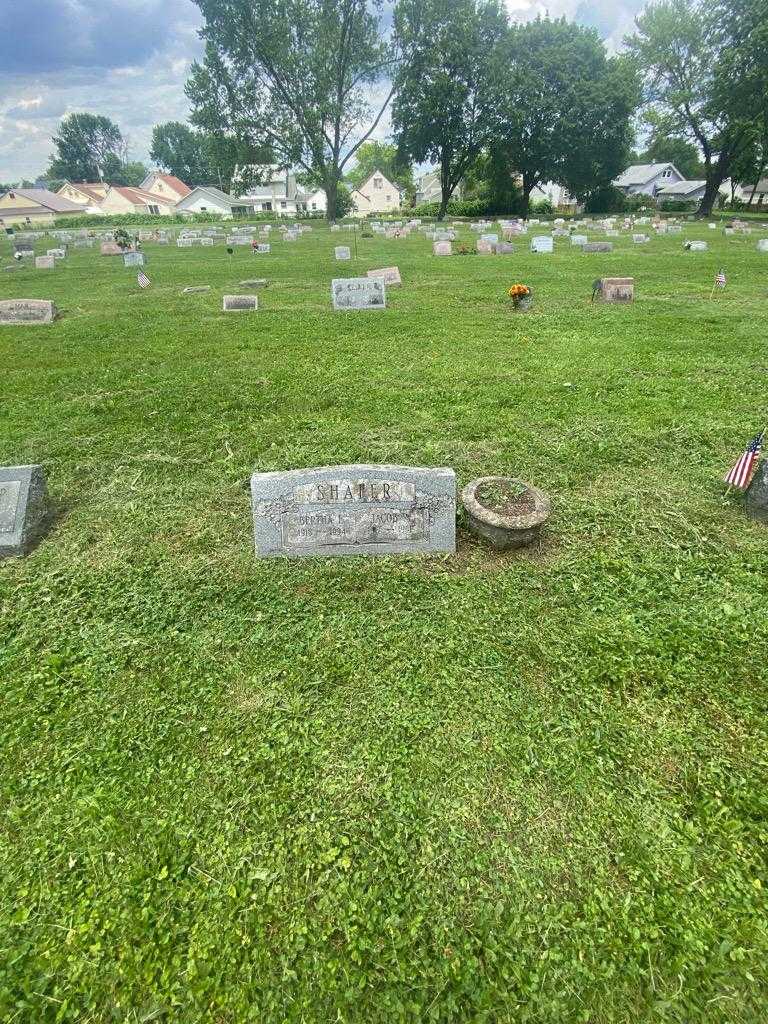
(557, 195)
(377, 194)
(315, 202)
(124, 199)
(647, 179)
(209, 199)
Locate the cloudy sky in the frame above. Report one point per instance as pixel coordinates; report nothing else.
(129, 59)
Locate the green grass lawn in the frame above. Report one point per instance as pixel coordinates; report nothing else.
(478, 788)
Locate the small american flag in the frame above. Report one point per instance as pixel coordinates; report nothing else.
(143, 280)
(720, 279)
(742, 472)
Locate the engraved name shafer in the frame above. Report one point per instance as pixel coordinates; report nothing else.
(354, 510)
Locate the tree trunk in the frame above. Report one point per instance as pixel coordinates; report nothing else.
(528, 187)
(331, 197)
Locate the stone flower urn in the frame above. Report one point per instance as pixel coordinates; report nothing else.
(508, 513)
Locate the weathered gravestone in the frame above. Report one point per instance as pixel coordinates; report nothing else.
(640, 239)
(342, 252)
(358, 293)
(483, 247)
(254, 282)
(615, 289)
(597, 247)
(762, 245)
(441, 248)
(239, 303)
(44, 263)
(262, 248)
(579, 240)
(756, 498)
(27, 311)
(207, 241)
(335, 227)
(503, 248)
(354, 510)
(696, 246)
(133, 259)
(390, 275)
(58, 254)
(23, 250)
(193, 289)
(110, 249)
(542, 243)
(23, 508)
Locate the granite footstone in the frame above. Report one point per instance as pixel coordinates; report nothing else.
(354, 510)
(24, 510)
(240, 303)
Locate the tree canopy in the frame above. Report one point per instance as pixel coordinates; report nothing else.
(384, 157)
(706, 77)
(89, 147)
(294, 76)
(448, 103)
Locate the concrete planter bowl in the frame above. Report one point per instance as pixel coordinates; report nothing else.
(505, 530)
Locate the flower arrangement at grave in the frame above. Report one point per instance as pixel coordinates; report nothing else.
(122, 238)
(466, 250)
(521, 296)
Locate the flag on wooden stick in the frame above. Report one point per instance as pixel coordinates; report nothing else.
(741, 474)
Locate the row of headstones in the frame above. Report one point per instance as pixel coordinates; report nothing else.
(322, 511)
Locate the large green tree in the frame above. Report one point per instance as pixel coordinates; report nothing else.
(705, 64)
(567, 108)
(295, 76)
(385, 157)
(179, 150)
(88, 147)
(665, 148)
(450, 84)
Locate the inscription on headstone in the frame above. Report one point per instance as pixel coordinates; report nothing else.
(542, 243)
(27, 311)
(358, 293)
(354, 510)
(23, 508)
(441, 248)
(133, 259)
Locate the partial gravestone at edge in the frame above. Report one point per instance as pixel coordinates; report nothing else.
(24, 510)
(354, 510)
(756, 496)
(27, 311)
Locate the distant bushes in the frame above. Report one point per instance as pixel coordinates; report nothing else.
(96, 220)
(456, 208)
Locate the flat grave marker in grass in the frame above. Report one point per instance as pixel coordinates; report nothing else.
(354, 510)
(44, 262)
(597, 247)
(27, 311)
(358, 293)
(390, 275)
(23, 508)
(239, 303)
(194, 289)
(342, 252)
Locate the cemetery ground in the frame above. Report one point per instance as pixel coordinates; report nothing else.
(482, 787)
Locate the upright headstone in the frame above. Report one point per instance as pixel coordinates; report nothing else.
(542, 243)
(579, 240)
(441, 248)
(484, 248)
(354, 510)
(756, 498)
(239, 303)
(615, 289)
(762, 245)
(58, 254)
(597, 247)
(110, 249)
(133, 259)
(358, 293)
(23, 508)
(44, 262)
(342, 252)
(27, 311)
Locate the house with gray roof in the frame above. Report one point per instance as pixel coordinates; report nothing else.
(20, 206)
(647, 179)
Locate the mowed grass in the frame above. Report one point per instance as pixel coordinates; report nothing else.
(486, 788)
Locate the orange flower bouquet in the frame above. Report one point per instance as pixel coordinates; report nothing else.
(521, 296)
